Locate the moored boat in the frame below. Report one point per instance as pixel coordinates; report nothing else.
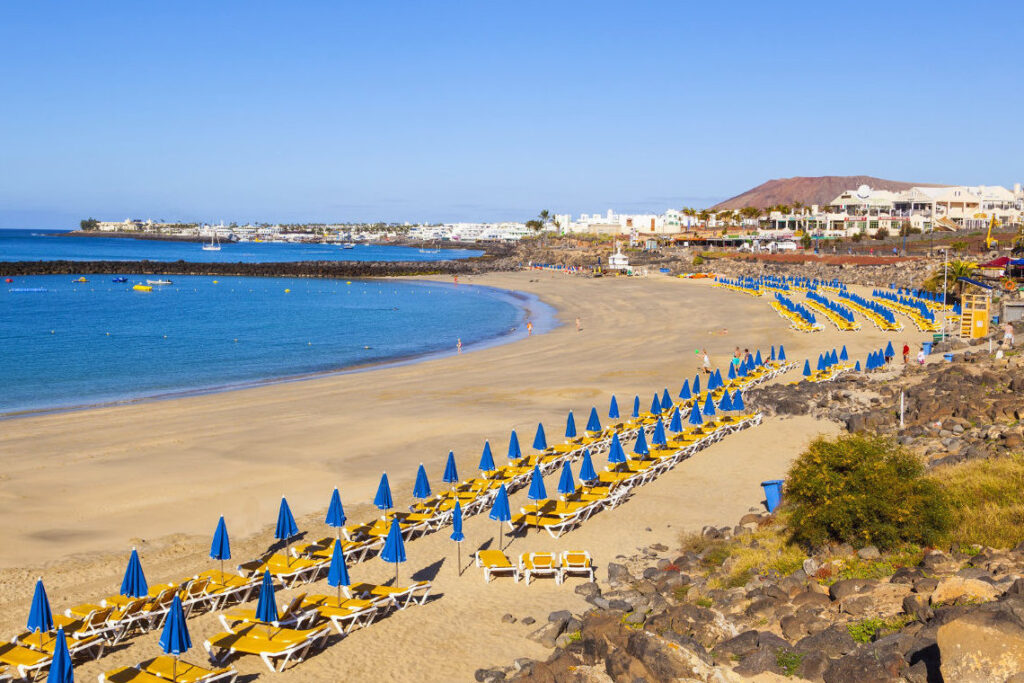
(159, 282)
(119, 279)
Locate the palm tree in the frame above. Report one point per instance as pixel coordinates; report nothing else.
(704, 216)
(951, 274)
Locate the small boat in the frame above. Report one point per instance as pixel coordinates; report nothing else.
(214, 244)
(142, 288)
(159, 282)
(119, 279)
(81, 279)
(348, 245)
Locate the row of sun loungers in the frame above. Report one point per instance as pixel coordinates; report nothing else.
(304, 625)
(795, 320)
(922, 323)
(841, 323)
(164, 669)
(531, 565)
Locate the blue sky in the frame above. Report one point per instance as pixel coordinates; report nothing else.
(481, 110)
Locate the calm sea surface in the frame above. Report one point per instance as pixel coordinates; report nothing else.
(65, 344)
(37, 245)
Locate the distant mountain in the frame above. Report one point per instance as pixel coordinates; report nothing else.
(808, 191)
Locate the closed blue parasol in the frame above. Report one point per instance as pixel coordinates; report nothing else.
(220, 548)
(540, 442)
(658, 438)
(587, 471)
(636, 406)
(451, 472)
(615, 453)
(174, 639)
(640, 447)
(500, 512)
(695, 418)
(666, 400)
(457, 535)
(40, 616)
(741, 369)
(537, 490)
(709, 406)
(60, 668)
(266, 606)
(719, 382)
(737, 401)
(394, 547)
(676, 425)
(732, 371)
(843, 356)
(822, 366)
(337, 575)
(593, 424)
(757, 359)
(486, 459)
(711, 382)
(684, 393)
(422, 487)
(514, 451)
(782, 353)
(566, 485)
(335, 512)
(613, 409)
(889, 353)
(772, 356)
(857, 366)
(696, 386)
(725, 403)
(655, 405)
(383, 499)
(833, 358)
(286, 527)
(134, 583)
(570, 427)
(807, 368)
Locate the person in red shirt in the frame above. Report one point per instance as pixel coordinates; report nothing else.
(906, 353)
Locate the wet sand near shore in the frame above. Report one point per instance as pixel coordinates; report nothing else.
(80, 489)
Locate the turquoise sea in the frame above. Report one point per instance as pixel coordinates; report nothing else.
(42, 245)
(65, 344)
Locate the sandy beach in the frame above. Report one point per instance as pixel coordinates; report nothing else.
(80, 489)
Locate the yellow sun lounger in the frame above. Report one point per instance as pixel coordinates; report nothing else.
(223, 587)
(283, 645)
(294, 615)
(400, 597)
(533, 565)
(577, 562)
(89, 646)
(162, 669)
(347, 614)
(27, 662)
(496, 562)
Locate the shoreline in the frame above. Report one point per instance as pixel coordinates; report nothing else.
(531, 306)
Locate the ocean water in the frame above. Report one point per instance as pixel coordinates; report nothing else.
(78, 344)
(39, 245)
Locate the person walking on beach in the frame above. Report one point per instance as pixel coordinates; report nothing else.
(458, 345)
(578, 328)
(906, 352)
(746, 357)
(920, 356)
(1008, 335)
(529, 328)
(706, 361)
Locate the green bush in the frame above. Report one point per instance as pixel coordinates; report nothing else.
(698, 260)
(864, 491)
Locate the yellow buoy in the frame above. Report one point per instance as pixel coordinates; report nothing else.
(215, 282)
(348, 282)
(287, 291)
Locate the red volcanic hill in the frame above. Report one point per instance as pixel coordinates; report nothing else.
(809, 191)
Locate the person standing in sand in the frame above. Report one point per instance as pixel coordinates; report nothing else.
(529, 328)
(1008, 335)
(458, 345)
(906, 352)
(706, 360)
(578, 328)
(920, 356)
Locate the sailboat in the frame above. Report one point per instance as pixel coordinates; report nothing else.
(214, 244)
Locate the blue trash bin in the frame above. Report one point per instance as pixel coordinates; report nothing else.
(927, 348)
(772, 493)
(948, 357)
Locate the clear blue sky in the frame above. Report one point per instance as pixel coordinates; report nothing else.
(488, 110)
